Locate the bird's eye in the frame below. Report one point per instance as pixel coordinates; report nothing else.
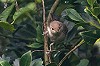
(52, 29)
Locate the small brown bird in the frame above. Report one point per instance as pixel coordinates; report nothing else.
(57, 31)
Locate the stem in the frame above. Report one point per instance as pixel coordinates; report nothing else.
(46, 59)
(64, 58)
(52, 10)
(17, 6)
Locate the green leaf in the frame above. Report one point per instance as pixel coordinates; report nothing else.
(74, 15)
(37, 62)
(4, 15)
(35, 45)
(8, 1)
(74, 59)
(83, 62)
(90, 36)
(91, 2)
(38, 1)
(26, 59)
(97, 46)
(39, 34)
(4, 63)
(7, 26)
(96, 11)
(23, 11)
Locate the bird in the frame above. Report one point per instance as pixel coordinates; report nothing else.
(57, 31)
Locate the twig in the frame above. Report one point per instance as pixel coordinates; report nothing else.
(50, 50)
(52, 10)
(64, 58)
(46, 59)
(17, 7)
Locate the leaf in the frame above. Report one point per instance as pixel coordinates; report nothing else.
(4, 63)
(4, 15)
(96, 11)
(90, 36)
(26, 59)
(37, 62)
(16, 62)
(7, 26)
(74, 15)
(97, 46)
(39, 34)
(74, 59)
(38, 1)
(83, 62)
(22, 11)
(35, 45)
(91, 2)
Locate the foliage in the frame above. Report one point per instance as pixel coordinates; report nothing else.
(25, 60)
(21, 30)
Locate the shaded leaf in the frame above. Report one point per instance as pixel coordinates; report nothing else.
(4, 63)
(83, 62)
(90, 36)
(26, 59)
(4, 15)
(96, 11)
(74, 60)
(7, 26)
(39, 37)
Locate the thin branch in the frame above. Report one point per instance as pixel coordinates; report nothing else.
(64, 58)
(50, 50)
(17, 6)
(46, 59)
(52, 10)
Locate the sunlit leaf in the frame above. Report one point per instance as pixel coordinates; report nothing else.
(4, 15)
(7, 26)
(74, 15)
(22, 11)
(26, 59)
(35, 45)
(4, 63)
(96, 47)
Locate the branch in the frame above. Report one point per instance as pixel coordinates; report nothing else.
(52, 10)
(64, 58)
(50, 50)
(45, 29)
(17, 6)
(46, 59)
